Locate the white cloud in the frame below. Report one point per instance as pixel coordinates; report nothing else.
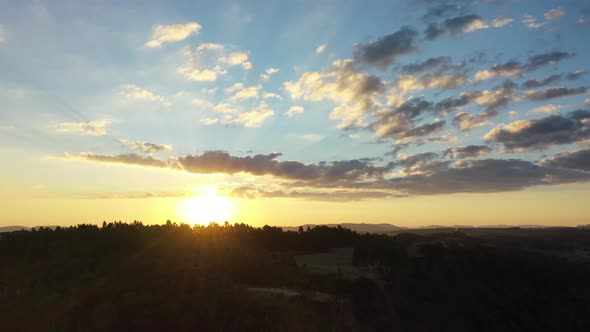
(225, 108)
(267, 73)
(92, 128)
(269, 95)
(206, 75)
(172, 33)
(134, 92)
(208, 61)
(321, 48)
(201, 103)
(206, 47)
(501, 21)
(587, 102)
(354, 92)
(234, 88)
(234, 59)
(294, 110)
(254, 118)
(554, 14)
(145, 147)
(247, 65)
(247, 93)
(209, 121)
(476, 25)
(547, 109)
(209, 92)
(312, 138)
(531, 22)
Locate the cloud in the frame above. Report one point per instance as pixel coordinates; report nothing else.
(234, 88)
(441, 10)
(247, 65)
(386, 50)
(208, 61)
(321, 48)
(444, 138)
(515, 68)
(579, 160)
(462, 24)
(432, 80)
(327, 195)
(354, 92)
(209, 92)
(535, 83)
(201, 103)
(312, 138)
(269, 95)
(246, 92)
(401, 125)
(254, 118)
(547, 109)
(572, 76)
(172, 33)
(450, 104)
(435, 64)
(553, 93)
(509, 69)
(235, 59)
(145, 147)
(531, 22)
(501, 21)
(225, 108)
(294, 110)
(467, 151)
(208, 121)
(543, 59)
(554, 14)
(268, 72)
(219, 162)
(92, 128)
(482, 176)
(418, 163)
(127, 159)
(206, 75)
(526, 135)
(499, 97)
(424, 174)
(466, 23)
(134, 92)
(467, 121)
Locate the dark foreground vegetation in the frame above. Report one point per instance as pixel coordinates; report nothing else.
(131, 277)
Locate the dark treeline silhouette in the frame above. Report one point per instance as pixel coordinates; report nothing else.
(135, 277)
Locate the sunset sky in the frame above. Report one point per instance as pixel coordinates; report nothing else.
(291, 112)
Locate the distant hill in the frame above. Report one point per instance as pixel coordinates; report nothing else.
(5, 229)
(357, 227)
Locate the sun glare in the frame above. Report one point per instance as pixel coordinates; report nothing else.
(206, 208)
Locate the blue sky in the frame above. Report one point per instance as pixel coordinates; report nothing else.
(318, 81)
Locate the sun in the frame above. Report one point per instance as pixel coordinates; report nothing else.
(206, 208)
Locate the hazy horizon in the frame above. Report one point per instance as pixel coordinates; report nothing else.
(411, 113)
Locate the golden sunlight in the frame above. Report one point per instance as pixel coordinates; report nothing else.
(206, 208)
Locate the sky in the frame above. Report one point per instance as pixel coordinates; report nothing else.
(414, 113)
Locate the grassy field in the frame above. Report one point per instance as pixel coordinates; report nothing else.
(335, 261)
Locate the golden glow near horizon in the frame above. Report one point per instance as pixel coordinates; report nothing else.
(207, 207)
